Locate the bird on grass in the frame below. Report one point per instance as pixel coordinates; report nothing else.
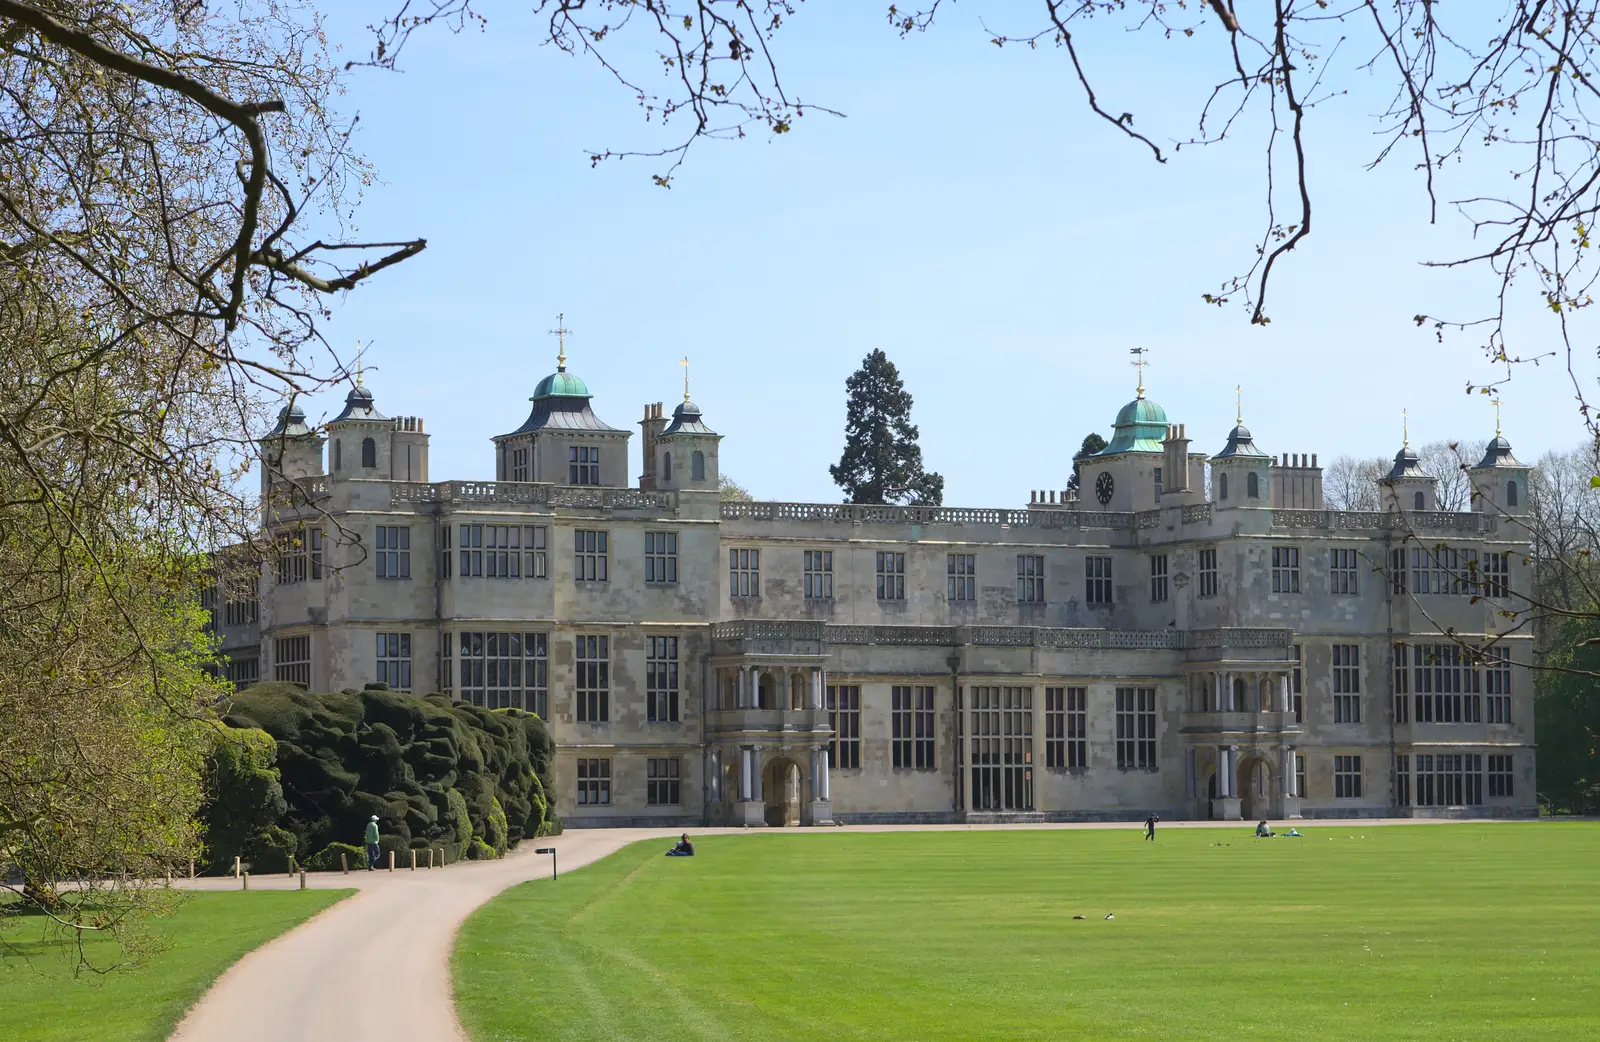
(1110, 916)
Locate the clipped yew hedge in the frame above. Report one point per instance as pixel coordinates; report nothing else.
(436, 772)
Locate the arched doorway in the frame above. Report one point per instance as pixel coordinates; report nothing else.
(781, 787)
(1255, 788)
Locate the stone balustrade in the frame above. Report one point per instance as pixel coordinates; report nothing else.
(1385, 521)
(527, 493)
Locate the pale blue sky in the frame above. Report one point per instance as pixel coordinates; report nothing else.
(969, 217)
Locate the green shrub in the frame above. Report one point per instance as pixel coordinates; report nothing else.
(327, 859)
(552, 826)
(247, 800)
(271, 849)
(480, 851)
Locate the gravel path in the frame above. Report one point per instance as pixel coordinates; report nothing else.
(376, 967)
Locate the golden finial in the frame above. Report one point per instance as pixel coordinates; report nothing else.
(685, 364)
(1139, 363)
(1497, 417)
(1405, 430)
(359, 352)
(1238, 406)
(561, 333)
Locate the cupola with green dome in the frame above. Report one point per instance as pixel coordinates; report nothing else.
(561, 384)
(1141, 426)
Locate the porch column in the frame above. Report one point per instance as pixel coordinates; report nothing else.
(781, 689)
(816, 788)
(743, 697)
(1225, 694)
(758, 788)
(822, 774)
(1283, 693)
(816, 689)
(1288, 771)
(1224, 773)
(746, 754)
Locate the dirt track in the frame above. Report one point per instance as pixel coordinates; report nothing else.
(375, 967)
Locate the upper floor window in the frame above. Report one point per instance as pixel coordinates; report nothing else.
(1416, 504)
(501, 551)
(1252, 485)
(961, 577)
(1097, 580)
(1158, 577)
(590, 558)
(1342, 572)
(394, 660)
(1208, 572)
(1497, 684)
(299, 555)
(291, 660)
(1347, 683)
(661, 557)
(1511, 493)
(661, 679)
(891, 569)
(1496, 574)
(519, 464)
(744, 573)
(1158, 485)
(818, 575)
(369, 452)
(583, 465)
(593, 661)
(666, 466)
(1030, 579)
(697, 466)
(1444, 570)
(394, 551)
(338, 454)
(1222, 486)
(1285, 569)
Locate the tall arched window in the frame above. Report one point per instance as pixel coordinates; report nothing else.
(338, 454)
(1222, 486)
(666, 466)
(1252, 485)
(1511, 493)
(697, 465)
(1417, 501)
(369, 452)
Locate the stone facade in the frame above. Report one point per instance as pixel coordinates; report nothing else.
(1213, 645)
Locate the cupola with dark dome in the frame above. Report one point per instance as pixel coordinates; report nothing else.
(1499, 481)
(562, 440)
(681, 454)
(1407, 486)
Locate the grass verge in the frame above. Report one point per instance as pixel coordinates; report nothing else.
(42, 1001)
(1403, 932)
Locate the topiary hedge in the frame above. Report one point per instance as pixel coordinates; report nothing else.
(435, 772)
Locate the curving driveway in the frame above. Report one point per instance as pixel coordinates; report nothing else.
(376, 967)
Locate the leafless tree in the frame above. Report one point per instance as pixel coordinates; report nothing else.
(1352, 484)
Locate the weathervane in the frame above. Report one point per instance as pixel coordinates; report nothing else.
(685, 364)
(561, 332)
(1496, 417)
(1139, 363)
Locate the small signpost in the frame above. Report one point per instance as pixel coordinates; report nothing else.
(552, 852)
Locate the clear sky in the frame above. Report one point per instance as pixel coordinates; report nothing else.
(969, 216)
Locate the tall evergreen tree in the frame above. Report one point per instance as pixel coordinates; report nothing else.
(882, 462)
(1092, 443)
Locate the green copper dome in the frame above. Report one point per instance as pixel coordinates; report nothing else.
(561, 384)
(1141, 426)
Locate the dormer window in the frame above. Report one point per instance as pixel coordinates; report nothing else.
(583, 465)
(519, 464)
(338, 454)
(369, 452)
(1158, 485)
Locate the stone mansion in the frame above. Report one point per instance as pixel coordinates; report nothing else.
(1192, 635)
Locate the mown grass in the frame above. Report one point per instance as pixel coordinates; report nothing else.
(43, 1000)
(1471, 931)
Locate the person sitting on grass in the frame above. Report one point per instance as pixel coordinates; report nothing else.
(683, 849)
(1263, 832)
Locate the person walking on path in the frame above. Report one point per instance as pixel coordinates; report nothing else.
(1150, 825)
(372, 844)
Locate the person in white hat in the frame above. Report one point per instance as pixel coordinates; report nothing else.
(372, 844)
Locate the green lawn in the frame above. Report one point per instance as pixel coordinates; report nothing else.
(40, 999)
(1432, 932)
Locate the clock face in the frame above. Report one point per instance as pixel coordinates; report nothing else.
(1104, 486)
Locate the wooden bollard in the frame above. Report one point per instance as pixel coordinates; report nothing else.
(191, 868)
(430, 858)
(413, 859)
(344, 862)
(292, 867)
(236, 867)
(302, 879)
(244, 881)
(391, 861)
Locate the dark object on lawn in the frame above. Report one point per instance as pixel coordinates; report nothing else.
(1080, 917)
(1110, 916)
(683, 849)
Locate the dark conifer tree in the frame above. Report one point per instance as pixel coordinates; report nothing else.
(882, 462)
(1092, 444)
